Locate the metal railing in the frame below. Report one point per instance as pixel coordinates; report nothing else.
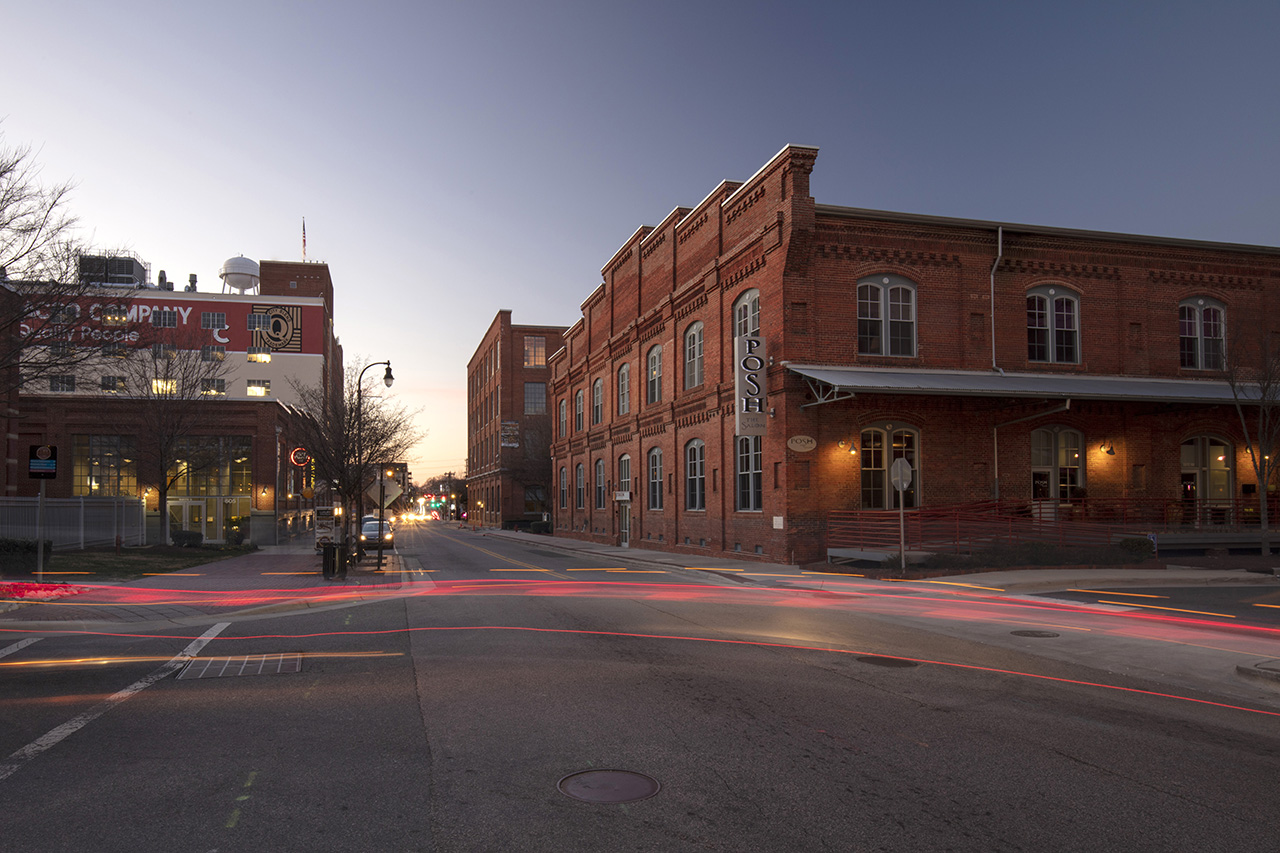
(963, 528)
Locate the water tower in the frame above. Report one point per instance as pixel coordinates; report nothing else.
(239, 274)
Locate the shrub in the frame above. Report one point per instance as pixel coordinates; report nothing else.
(1140, 549)
(187, 538)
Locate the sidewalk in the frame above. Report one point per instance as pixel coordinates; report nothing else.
(273, 578)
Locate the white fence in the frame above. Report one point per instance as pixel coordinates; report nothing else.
(75, 522)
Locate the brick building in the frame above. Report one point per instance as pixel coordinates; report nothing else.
(509, 424)
(1037, 365)
(271, 325)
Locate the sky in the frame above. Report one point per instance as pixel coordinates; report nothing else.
(453, 159)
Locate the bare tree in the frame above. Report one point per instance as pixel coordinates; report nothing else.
(350, 434)
(1252, 369)
(173, 382)
(46, 324)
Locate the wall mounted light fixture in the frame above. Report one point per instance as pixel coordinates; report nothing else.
(853, 448)
(264, 491)
(1107, 448)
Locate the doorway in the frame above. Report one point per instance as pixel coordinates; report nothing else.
(624, 524)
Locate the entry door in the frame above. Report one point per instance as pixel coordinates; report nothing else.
(624, 524)
(200, 515)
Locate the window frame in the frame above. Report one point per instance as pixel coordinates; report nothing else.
(564, 488)
(875, 460)
(1050, 338)
(564, 417)
(653, 465)
(579, 487)
(748, 462)
(597, 401)
(577, 411)
(1200, 356)
(746, 314)
(1060, 477)
(653, 375)
(624, 389)
(695, 475)
(600, 483)
(694, 355)
(885, 334)
(540, 396)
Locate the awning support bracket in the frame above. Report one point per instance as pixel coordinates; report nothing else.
(825, 392)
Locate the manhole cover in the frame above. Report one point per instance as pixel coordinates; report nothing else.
(608, 786)
(1043, 634)
(881, 660)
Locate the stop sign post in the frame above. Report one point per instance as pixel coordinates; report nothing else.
(900, 474)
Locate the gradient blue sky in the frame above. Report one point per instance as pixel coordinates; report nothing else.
(457, 158)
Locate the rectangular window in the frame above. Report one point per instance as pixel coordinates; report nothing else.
(163, 352)
(164, 387)
(103, 465)
(564, 489)
(164, 318)
(259, 322)
(535, 351)
(214, 387)
(213, 320)
(597, 401)
(115, 350)
(695, 482)
(258, 388)
(600, 484)
(113, 384)
(535, 398)
(564, 418)
(258, 355)
(62, 384)
(213, 353)
(655, 479)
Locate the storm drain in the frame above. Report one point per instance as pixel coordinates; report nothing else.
(608, 786)
(882, 660)
(244, 665)
(1041, 634)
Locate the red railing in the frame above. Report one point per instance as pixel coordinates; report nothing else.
(969, 527)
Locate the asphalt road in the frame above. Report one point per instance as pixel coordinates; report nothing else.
(443, 716)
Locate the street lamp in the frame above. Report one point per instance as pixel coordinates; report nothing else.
(388, 379)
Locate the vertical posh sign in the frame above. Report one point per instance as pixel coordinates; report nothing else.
(748, 386)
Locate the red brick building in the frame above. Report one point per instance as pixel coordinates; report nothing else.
(509, 424)
(1037, 365)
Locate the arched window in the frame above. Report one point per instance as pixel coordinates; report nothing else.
(655, 478)
(564, 418)
(695, 475)
(597, 401)
(564, 489)
(600, 484)
(577, 412)
(1053, 325)
(693, 356)
(1201, 334)
(624, 389)
(886, 316)
(746, 315)
(580, 486)
(1057, 464)
(750, 468)
(624, 473)
(881, 445)
(653, 392)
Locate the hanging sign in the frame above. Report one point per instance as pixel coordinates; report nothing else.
(42, 463)
(750, 417)
(299, 456)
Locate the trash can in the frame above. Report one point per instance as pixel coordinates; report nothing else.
(343, 556)
(329, 566)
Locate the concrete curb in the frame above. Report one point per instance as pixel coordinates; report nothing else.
(1266, 671)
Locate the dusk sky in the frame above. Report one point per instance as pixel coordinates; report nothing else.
(453, 159)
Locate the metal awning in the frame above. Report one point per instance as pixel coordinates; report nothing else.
(834, 383)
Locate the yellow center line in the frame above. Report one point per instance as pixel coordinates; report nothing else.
(968, 585)
(519, 570)
(835, 574)
(1174, 609)
(174, 574)
(1276, 606)
(1112, 592)
(699, 569)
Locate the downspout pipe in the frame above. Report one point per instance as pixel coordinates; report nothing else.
(995, 441)
(994, 264)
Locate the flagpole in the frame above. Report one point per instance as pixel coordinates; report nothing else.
(304, 238)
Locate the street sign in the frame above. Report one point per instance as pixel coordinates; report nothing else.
(900, 473)
(42, 463)
(390, 491)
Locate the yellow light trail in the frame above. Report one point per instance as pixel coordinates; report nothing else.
(1174, 609)
(1113, 592)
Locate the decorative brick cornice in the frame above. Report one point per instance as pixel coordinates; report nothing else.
(744, 205)
(747, 270)
(652, 330)
(691, 306)
(648, 250)
(870, 254)
(1050, 268)
(1179, 277)
(619, 260)
(688, 231)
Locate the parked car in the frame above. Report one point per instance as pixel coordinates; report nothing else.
(376, 534)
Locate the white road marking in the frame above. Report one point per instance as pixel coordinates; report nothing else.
(56, 736)
(19, 646)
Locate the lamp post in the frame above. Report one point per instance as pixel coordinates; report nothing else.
(388, 379)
